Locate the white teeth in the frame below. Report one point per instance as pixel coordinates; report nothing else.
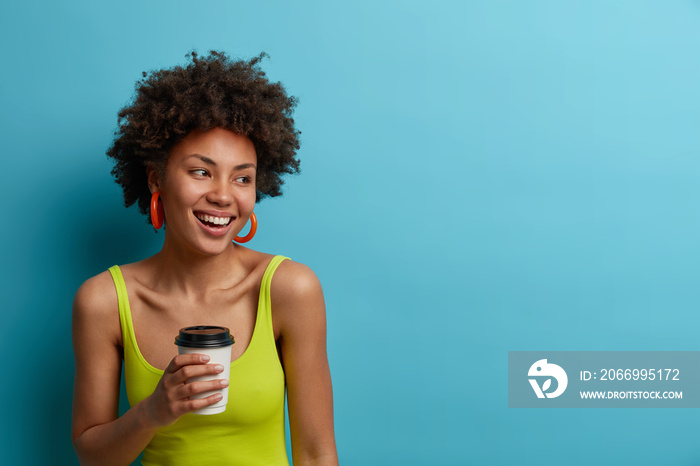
(214, 220)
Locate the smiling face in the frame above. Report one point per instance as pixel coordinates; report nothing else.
(208, 190)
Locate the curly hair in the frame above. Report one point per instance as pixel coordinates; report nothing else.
(211, 91)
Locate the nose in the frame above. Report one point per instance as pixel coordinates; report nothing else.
(221, 193)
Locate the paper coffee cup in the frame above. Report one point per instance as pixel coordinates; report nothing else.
(216, 343)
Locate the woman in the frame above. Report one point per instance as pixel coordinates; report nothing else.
(196, 149)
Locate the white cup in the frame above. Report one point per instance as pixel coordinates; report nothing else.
(216, 343)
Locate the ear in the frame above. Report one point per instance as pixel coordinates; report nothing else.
(154, 180)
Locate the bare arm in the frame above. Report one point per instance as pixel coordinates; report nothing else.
(297, 301)
(99, 435)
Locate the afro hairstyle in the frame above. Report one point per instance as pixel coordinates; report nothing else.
(210, 91)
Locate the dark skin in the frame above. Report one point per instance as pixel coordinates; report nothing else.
(200, 277)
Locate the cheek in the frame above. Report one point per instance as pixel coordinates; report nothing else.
(182, 195)
(245, 198)
(247, 207)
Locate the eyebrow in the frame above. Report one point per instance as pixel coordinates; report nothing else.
(209, 161)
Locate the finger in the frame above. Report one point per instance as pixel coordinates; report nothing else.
(186, 359)
(193, 405)
(195, 388)
(185, 373)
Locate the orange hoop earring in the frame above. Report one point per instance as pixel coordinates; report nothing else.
(157, 215)
(251, 233)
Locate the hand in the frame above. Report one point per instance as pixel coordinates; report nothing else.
(172, 396)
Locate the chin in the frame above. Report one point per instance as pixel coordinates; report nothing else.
(213, 250)
(209, 248)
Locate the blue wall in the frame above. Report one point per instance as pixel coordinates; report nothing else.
(477, 177)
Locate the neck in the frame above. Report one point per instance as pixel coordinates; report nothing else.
(193, 274)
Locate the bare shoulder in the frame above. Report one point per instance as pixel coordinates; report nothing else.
(96, 294)
(294, 281)
(95, 304)
(297, 299)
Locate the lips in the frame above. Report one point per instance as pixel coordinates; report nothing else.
(215, 224)
(212, 220)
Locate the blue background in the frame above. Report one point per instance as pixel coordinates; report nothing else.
(477, 177)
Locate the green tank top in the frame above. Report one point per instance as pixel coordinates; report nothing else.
(251, 430)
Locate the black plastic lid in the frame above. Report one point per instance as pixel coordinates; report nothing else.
(204, 336)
